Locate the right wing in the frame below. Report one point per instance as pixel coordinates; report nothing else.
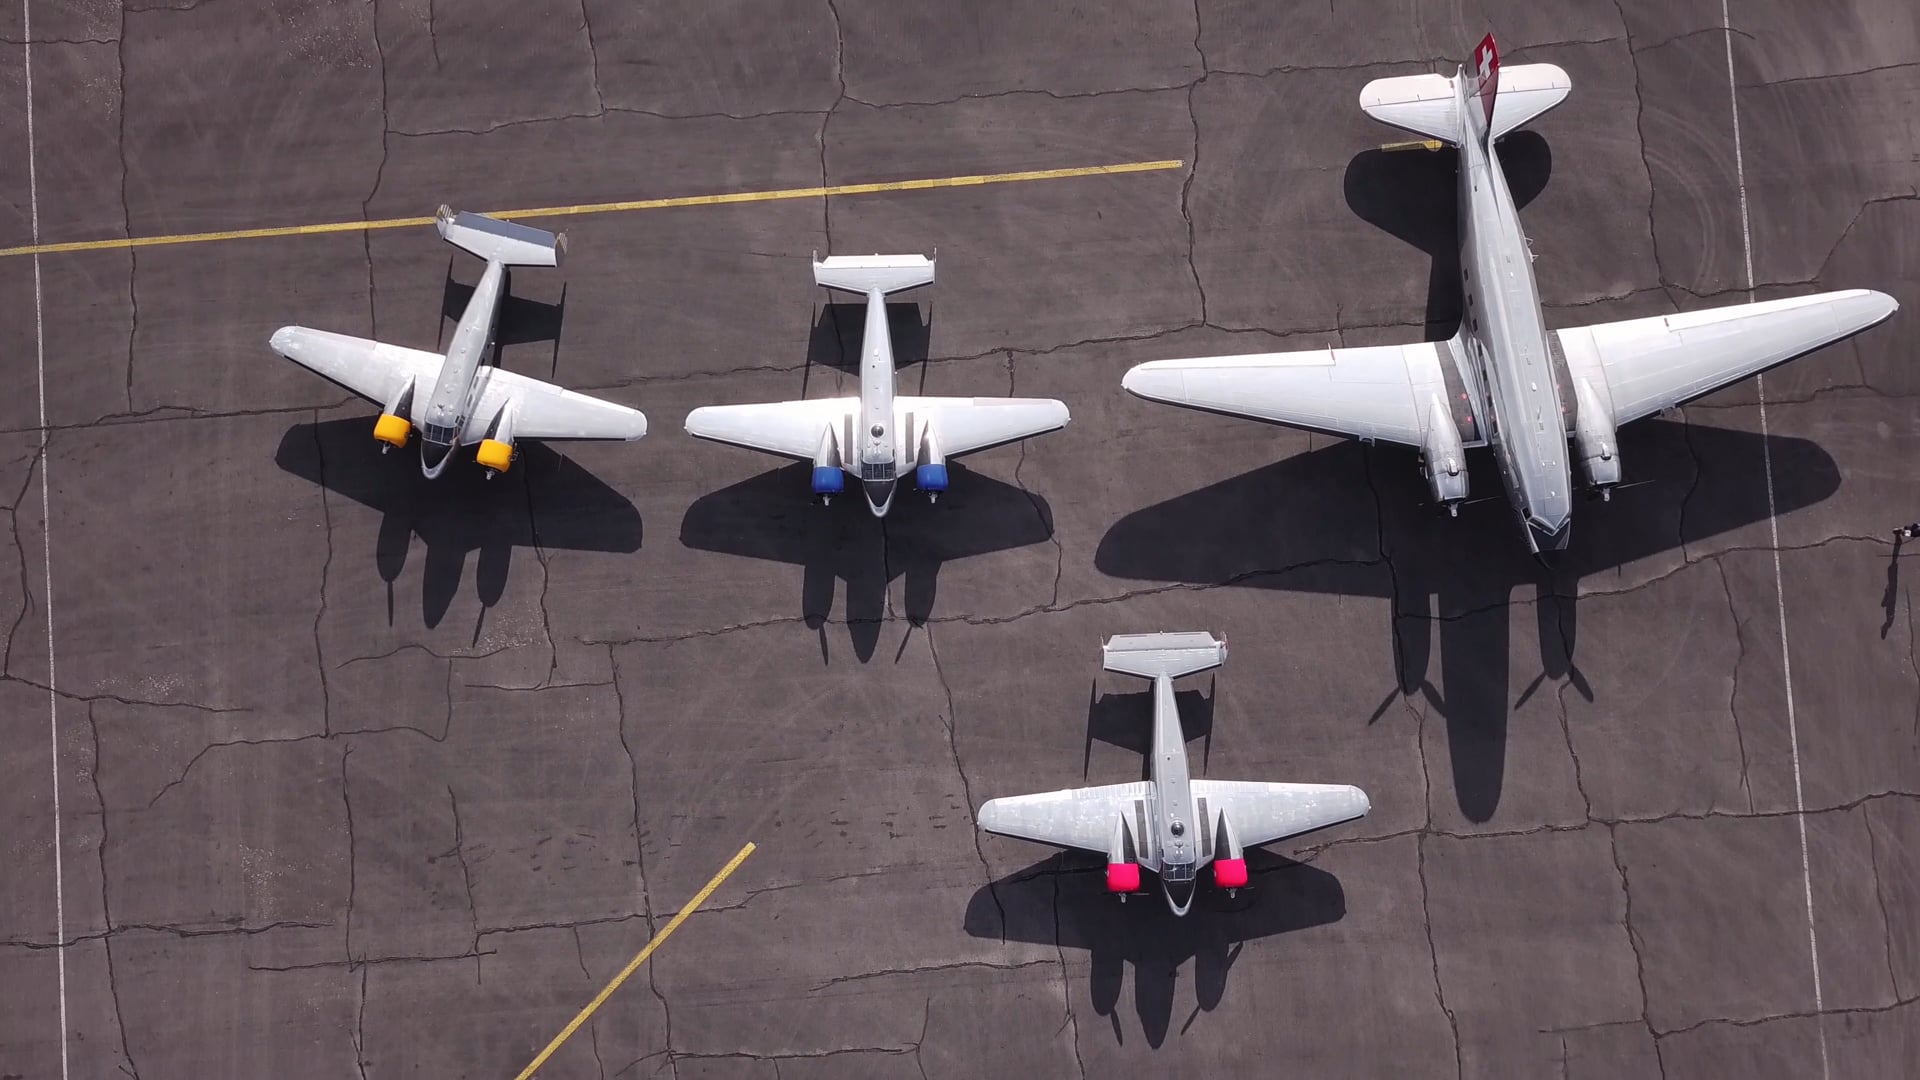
(788, 428)
(1075, 818)
(1383, 392)
(1262, 813)
(542, 410)
(372, 369)
(964, 425)
(1646, 365)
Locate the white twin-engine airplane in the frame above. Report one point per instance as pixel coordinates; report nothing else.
(1504, 380)
(457, 399)
(1171, 824)
(878, 436)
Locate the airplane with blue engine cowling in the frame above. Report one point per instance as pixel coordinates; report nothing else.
(458, 399)
(1504, 380)
(879, 437)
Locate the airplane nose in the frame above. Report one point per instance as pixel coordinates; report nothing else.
(879, 495)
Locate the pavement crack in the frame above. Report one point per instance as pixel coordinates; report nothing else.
(951, 721)
(1880, 896)
(1046, 521)
(964, 965)
(1640, 131)
(1439, 991)
(1193, 170)
(1733, 691)
(326, 568)
(459, 852)
(346, 801)
(1633, 937)
(1774, 83)
(593, 56)
(126, 210)
(1066, 988)
(840, 80)
(106, 904)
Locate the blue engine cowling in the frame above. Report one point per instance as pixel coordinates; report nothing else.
(931, 477)
(828, 480)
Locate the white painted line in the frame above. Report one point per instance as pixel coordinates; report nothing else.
(46, 536)
(1773, 526)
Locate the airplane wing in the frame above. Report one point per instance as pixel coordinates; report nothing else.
(372, 369)
(1262, 813)
(544, 411)
(964, 425)
(1383, 392)
(788, 428)
(1646, 365)
(1076, 817)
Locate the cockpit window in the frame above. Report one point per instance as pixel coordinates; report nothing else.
(438, 433)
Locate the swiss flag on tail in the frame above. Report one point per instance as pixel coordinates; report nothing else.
(1486, 67)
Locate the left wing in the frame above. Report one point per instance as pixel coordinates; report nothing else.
(1261, 813)
(1381, 392)
(373, 369)
(788, 428)
(964, 425)
(1075, 818)
(1646, 365)
(542, 410)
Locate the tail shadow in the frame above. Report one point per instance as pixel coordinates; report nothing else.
(545, 499)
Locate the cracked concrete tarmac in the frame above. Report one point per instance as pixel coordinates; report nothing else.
(364, 775)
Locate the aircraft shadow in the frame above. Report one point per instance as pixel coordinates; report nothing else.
(1453, 577)
(1412, 194)
(773, 516)
(1063, 902)
(545, 500)
(839, 329)
(1126, 720)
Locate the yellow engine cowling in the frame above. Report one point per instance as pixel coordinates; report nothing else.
(494, 455)
(392, 430)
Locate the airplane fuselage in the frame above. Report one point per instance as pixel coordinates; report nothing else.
(1505, 343)
(1172, 815)
(456, 392)
(877, 461)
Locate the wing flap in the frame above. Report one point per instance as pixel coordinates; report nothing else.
(1262, 813)
(788, 428)
(1657, 363)
(1080, 818)
(1380, 392)
(964, 425)
(372, 369)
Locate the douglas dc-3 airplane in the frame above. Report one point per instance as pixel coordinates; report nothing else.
(457, 399)
(1504, 380)
(1171, 824)
(877, 436)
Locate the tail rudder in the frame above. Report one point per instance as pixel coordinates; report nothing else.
(1172, 655)
(1486, 69)
(500, 241)
(864, 273)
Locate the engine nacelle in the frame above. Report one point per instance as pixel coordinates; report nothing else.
(1123, 877)
(1445, 457)
(496, 451)
(1123, 873)
(1230, 862)
(1230, 873)
(1594, 438)
(829, 479)
(392, 430)
(931, 476)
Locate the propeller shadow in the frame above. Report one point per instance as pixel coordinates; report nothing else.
(1453, 577)
(773, 517)
(1063, 902)
(545, 500)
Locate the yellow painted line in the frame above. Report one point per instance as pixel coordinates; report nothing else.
(1417, 144)
(665, 932)
(722, 199)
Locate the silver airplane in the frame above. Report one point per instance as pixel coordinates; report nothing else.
(1504, 380)
(1172, 824)
(457, 399)
(879, 436)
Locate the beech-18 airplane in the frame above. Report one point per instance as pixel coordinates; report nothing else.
(879, 436)
(1172, 824)
(458, 399)
(1504, 380)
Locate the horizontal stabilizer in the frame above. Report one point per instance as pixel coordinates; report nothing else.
(864, 273)
(1172, 655)
(500, 241)
(1427, 104)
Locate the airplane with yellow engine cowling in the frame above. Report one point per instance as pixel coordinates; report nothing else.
(458, 399)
